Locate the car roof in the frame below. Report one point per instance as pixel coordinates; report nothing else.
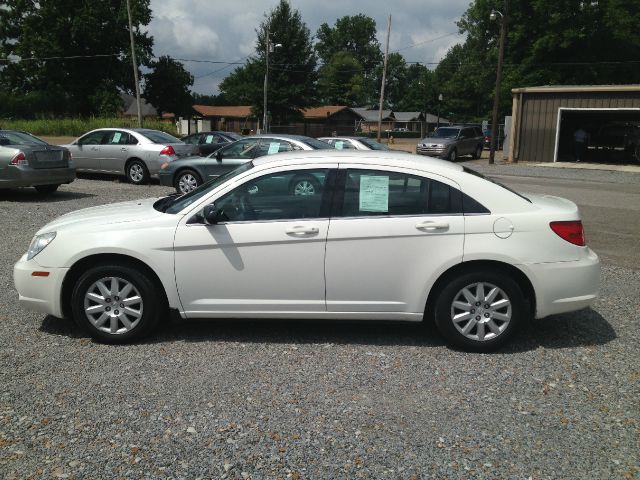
(347, 137)
(372, 157)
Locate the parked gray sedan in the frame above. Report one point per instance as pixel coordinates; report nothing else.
(189, 173)
(27, 161)
(451, 142)
(136, 153)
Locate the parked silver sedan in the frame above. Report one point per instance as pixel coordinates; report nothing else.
(353, 143)
(27, 161)
(136, 153)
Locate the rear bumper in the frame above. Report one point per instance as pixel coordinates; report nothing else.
(21, 176)
(565, 286)
(40, 294)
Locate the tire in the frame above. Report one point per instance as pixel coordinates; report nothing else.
(453, 155)
(480, 326)
(46, 189)
(478, 152)
(137, 172)
(108, 321)
(187, 180)
(304, 185)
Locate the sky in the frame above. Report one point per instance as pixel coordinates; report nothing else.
(208, 31)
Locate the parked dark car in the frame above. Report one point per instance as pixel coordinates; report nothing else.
(206, 143)
(621, 140)
(452, 141)
(27, 161)
(187, 174)
(487, 140)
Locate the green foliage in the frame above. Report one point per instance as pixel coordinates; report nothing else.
(74, 127)
(341, 81)
(292, 68)
(33, 32)
(167, 87)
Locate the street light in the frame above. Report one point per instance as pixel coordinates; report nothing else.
(493, 16)
(269, 48)
(440, 97)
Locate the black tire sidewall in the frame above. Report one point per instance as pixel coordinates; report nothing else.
(46, 189)
(453, 155)
(145, 287)
(445, 298)
(145, 174)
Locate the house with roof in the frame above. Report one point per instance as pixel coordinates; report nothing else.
(227, 118)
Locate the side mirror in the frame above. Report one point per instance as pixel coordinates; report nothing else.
(211, 214)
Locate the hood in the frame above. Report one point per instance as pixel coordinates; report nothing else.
(437, 141)
(114, 213)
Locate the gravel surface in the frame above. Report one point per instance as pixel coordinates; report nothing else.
(240, 399)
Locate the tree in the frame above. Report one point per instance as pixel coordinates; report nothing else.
(356, 36)
(341, 81)
(548, 43)
(292, 68)
(167, 87)
(37, 39)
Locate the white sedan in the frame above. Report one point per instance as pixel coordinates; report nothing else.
(382, 236)
(353, 143)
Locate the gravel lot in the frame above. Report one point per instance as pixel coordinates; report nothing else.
(256, 400)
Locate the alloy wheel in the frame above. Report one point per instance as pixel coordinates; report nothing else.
(187, 183)
(481, 311)
(113, 305)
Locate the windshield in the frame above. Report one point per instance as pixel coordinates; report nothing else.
(19, 138)
(478, 174)
(373, 145)
(446, 132)
(314, 143)
(176, 204)
(159, 137)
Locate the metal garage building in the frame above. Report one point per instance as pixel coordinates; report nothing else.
(545, 118)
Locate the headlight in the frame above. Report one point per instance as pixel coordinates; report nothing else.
(38, 244)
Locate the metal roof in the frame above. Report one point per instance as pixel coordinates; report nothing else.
(577, 88)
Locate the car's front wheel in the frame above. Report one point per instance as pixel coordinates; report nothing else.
(480, 310)
(453, 155)
(137, 172)
(115, 303)
(187, 180)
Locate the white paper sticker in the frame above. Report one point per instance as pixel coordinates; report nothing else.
(339, 145)
(274, 147)
(374, 193)
(116, 137)
(208, 139)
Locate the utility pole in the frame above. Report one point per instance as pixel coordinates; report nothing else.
(384, 77)
(135, 65)
(496, 98)
(266, 80)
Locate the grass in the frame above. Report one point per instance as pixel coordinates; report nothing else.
(74, 127)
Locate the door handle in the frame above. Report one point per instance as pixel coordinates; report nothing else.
(94, 148)
(123, 149)
(432, 225)
(302, 230)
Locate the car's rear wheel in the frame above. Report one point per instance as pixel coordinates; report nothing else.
(453, 155)
(115, 303)
(480, 310)
(478, 153)
(187, 180)
(137, 172)
(46, 189)
(304, 185)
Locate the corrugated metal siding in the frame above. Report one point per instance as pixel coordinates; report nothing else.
(539, 120)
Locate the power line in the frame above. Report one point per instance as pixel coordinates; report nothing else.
(426, 41)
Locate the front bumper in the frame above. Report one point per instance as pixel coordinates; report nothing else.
(39, 293)
(437, 152)
(565, 286)
(166, 178)
(23, 176)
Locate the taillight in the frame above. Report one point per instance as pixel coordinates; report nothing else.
(571, 231)
(168, 150)
(19, 159)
